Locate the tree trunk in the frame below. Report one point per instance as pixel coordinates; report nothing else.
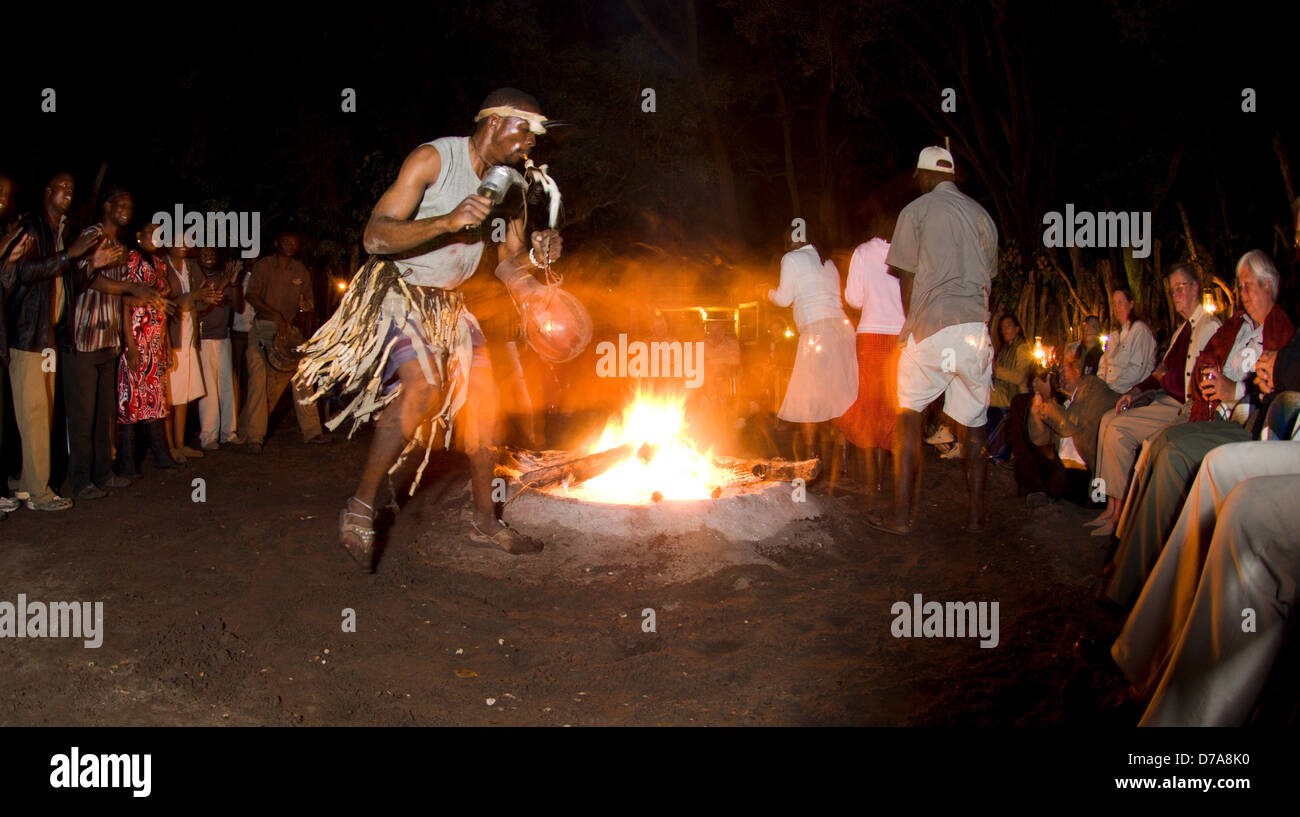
(791, 180)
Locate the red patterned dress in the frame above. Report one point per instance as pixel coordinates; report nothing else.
(141, 394)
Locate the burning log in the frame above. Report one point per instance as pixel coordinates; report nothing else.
(580, 469)
(761, 470)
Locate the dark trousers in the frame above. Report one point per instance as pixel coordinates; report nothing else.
(1038, 469)
(90, 397)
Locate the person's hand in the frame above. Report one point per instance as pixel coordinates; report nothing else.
(1212, 383)
(1037, 406)
(233, 270)
(1264, 372)
(281, 324)
(469, 213)
(20, 249)
(547, 245)
(1125, 401)
(1160, 371)
(86, 242)
(1042, 389)
(133, 359)
(147, 296)
(206, 295)
(107, 254)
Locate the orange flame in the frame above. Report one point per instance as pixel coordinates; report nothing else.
(677, 469)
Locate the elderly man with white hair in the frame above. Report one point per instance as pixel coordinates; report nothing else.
(1226, 373)
(1163, 399)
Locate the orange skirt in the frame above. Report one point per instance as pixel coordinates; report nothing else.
(869, 422)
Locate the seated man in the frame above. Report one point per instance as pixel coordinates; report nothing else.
(1070, 429)
(1161, 400)
(1174, 454)
(1161, 613)
(1219, 664)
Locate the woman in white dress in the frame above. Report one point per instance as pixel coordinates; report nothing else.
(185, 375)
(824, 383)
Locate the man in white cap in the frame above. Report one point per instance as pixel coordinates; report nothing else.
(944, 253)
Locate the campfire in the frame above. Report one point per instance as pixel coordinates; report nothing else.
(647, 475)
(658, 458)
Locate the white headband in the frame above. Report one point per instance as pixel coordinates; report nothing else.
(536, 122)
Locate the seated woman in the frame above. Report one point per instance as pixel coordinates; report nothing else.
(1013, 365)
(1131, 354)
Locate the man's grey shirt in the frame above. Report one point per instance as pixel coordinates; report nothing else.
(949, 242)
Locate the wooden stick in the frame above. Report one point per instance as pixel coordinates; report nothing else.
(580, 469)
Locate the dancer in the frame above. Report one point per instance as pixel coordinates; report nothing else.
(402, 337)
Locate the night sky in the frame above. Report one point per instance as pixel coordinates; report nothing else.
(239, 109)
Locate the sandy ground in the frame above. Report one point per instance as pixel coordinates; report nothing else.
(230, 611)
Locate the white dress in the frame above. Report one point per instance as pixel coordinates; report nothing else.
(824, 383)
(185, 379)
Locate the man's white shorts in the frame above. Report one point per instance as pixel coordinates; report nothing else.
(957, 362)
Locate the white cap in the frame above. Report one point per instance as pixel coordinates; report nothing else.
(935, 158)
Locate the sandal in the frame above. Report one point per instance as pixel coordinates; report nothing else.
(507, 539)
(878, 523)
(358, 537)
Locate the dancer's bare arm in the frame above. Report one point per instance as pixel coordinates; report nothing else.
(391, 230)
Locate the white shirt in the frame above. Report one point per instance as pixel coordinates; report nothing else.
(243, 321)
(1204, 325)
(1130, 360)
(813, 287)
(1246, 349)
(873, 290)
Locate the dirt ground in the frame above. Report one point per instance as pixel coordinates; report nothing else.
(230, 611)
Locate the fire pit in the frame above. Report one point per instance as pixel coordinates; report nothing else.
(648, 478)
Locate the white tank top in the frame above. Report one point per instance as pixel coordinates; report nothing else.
(448, 260)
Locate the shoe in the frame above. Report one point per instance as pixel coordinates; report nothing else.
(92, 491)
(53, 502)
(1108, 529)
(177, 455)
(357, 534)
(238, 439)
(115, 481)
(953, 453)
(8, 503)
(191, 452)
(505, 538)
(321, 439)
(254, 448)
(212, 446)
(1038, 499)
(941, 437)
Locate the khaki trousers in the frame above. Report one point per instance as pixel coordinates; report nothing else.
(1120, 437)
(34, 410)
(1219, 666)
(1161, 613)
(265, 385)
